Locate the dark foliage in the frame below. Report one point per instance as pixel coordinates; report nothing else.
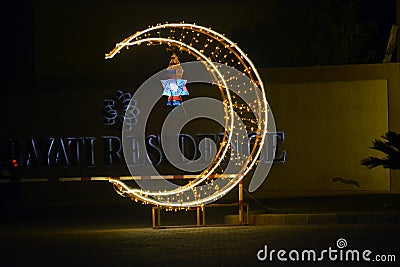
(315, 32)
(390, 146)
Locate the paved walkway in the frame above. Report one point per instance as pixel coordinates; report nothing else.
(207, 246)
(63, 228)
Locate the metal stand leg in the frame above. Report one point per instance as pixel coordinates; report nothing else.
(201, 216)
(156, 217)
(153, 217)
(203, 210)
(198, 219)
(240, 202)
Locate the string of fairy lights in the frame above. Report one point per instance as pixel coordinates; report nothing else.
(245, 109)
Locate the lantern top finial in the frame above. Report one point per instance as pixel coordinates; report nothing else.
(175, 69)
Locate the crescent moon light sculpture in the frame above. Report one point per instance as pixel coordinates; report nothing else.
(244, 104)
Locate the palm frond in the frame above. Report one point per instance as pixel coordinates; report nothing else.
(390, 146)
(393, 139)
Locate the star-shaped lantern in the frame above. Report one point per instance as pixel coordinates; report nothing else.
(175, 86)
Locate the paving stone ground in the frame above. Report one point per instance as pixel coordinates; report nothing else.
(205, 246)
(89, 225)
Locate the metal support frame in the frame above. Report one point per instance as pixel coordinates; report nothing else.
(201, 215)
(201, 212)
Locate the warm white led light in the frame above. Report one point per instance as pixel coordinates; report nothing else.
(165, 34)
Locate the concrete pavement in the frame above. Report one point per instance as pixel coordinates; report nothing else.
(204, 246)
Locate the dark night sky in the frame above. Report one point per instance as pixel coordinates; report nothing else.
(58, 45)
